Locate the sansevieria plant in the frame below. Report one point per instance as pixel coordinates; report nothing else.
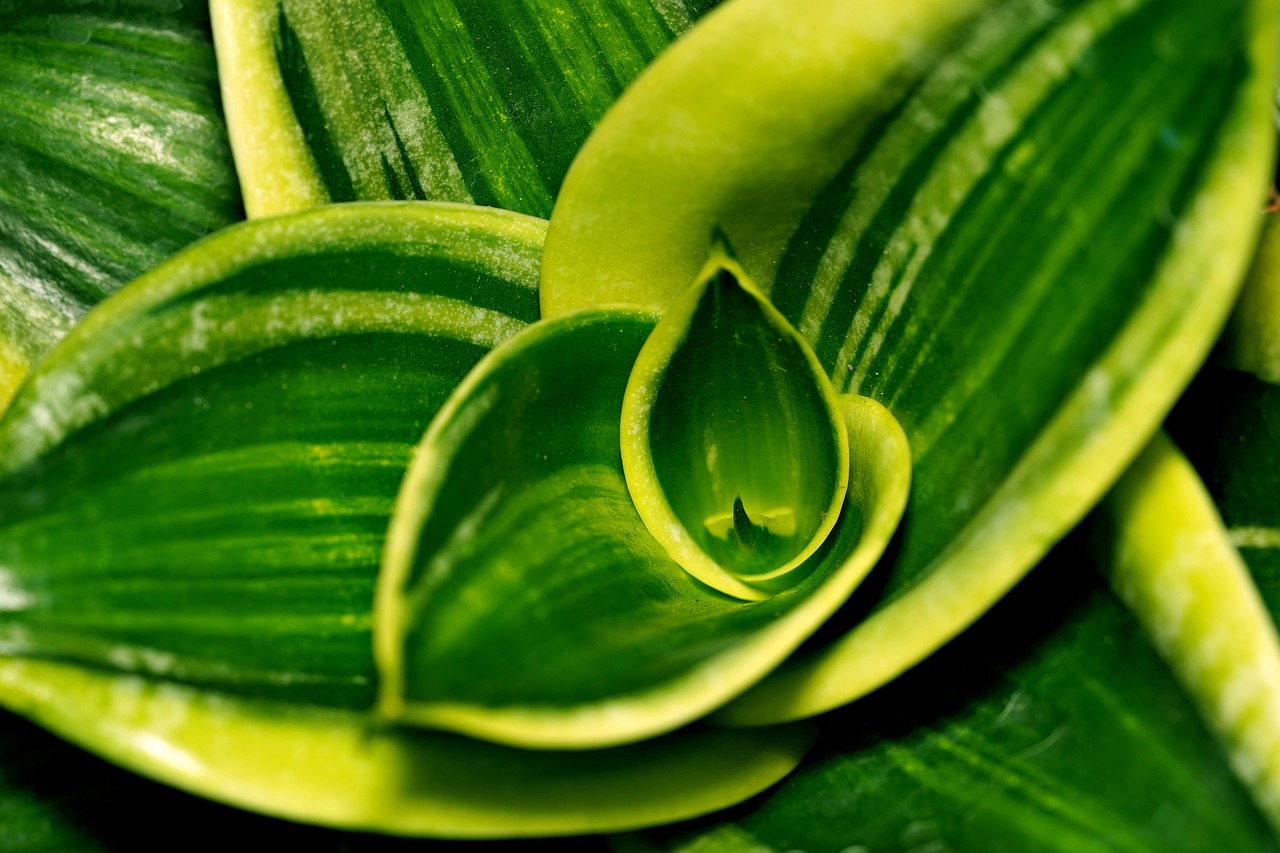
(689, 426)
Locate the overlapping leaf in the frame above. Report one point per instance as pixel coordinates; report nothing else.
(196, 487)
(1051, 726)
(115, 156)
(1022, 240)
(428, 99)
(525, 599)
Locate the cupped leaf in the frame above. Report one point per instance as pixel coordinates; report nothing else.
(1024, 265)
(428, 99)
(733, 450)
(522, 599)
(1052, 725)
(1172, 563)
(335, 768)
(115, 156)
(197, 483)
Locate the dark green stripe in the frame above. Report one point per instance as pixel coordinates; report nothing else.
(407, 268)
(1092, 209)
(305, 100)
(86, 205)
(544, 108)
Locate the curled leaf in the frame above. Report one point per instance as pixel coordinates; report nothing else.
(523, 599)
(732, 445)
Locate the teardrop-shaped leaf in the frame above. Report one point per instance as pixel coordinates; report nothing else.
(733, 450)
(429, 99)
(1171, 561)
(336, 768)
(1050, 726)
(1023, 262)
(523, 600)
(115, 156)
(197, 484)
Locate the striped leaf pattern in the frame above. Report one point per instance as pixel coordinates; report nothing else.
(197, 484)
(114, 156)
(1051, 726)
(428, 99)
(1229, 426)
(1022, 263)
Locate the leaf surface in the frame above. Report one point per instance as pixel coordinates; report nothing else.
(1052, 725)
(1023, 264)
(197, 485)
(115, 157)
(522, 597)
(429, 99)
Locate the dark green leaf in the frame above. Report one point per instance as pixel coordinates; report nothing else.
(429, 99)
(197, 485)
(1051, 726)
(115, 156)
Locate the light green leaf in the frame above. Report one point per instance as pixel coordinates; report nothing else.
(336, 768)
(1051, 726)
(523, 600)
(1023, 264)
(733, 449)
(1171, 561)
(429, 99)
(115, 156)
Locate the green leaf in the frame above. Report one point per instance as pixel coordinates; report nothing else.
(523, 600)
(196, 485)
(1253, 339)
(336, 768)
(194, 489)
(734, 453)
(1051, 725)
(1024, 265)
(428, 99)
(115, 157)
(1172, 563)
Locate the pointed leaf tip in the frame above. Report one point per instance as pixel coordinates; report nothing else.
(734, 452)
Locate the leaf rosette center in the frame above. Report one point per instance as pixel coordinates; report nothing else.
(735, 455)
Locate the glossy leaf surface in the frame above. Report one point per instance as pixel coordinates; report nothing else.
(522, 597)
(1051, 726)
(428, 99)
(733, 448)
(115, 156)
(197, 486)
(1023, 263)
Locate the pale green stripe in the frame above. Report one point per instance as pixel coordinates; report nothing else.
(968, 159)
(1255, 537)
(336, 37)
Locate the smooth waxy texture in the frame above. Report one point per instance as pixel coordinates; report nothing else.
(427, 99)
(942, 235)
(1051, 726)
(522, 598)
(733, 449)
(115, 156)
